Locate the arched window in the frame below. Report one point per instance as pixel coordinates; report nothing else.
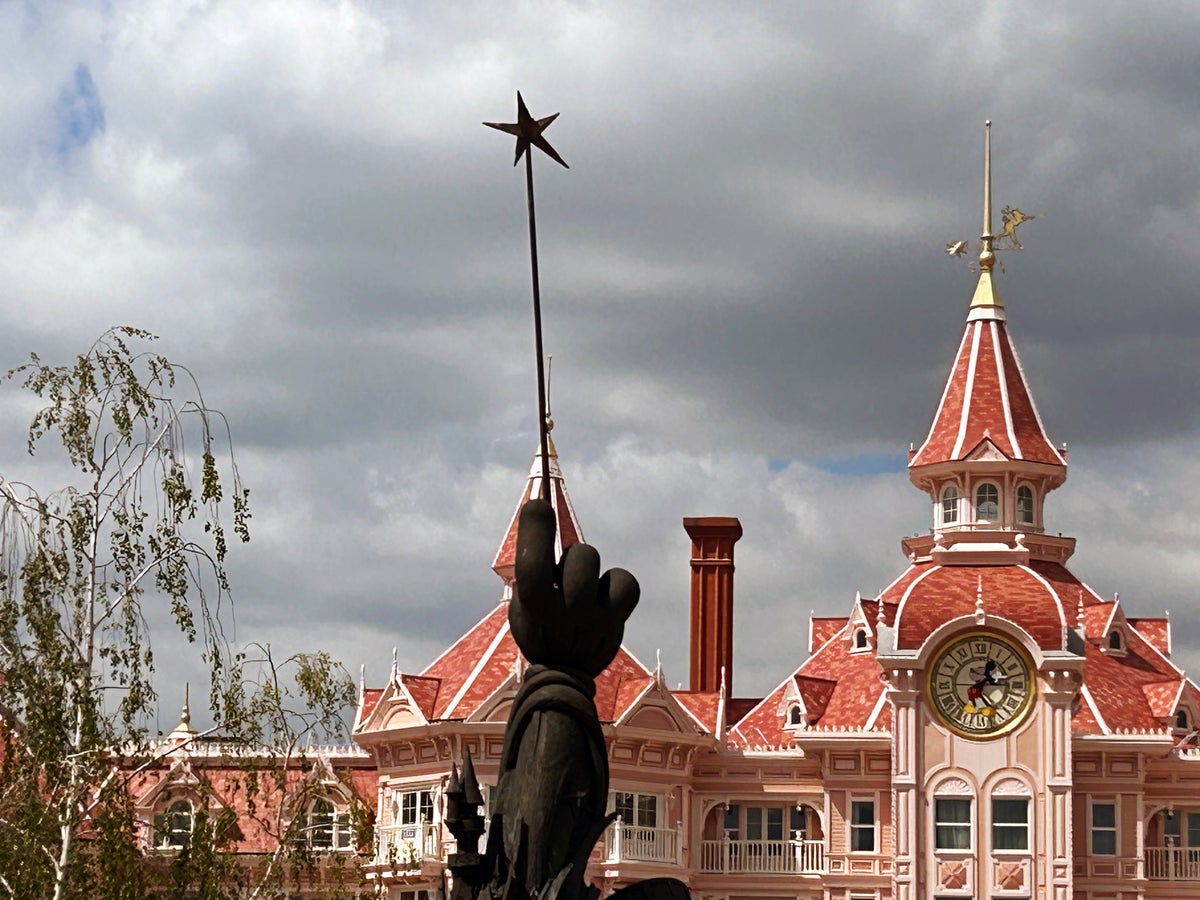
(320, 824)
(860, 639)
(1115, 641)
(950, 505)
(174, 827)
(1182, 720)
(987, 503)
(1025, 505)
(327, 828)
(794, 715)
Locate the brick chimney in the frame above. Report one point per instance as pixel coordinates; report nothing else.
(713, 538)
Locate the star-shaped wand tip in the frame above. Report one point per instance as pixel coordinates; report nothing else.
(528, 130)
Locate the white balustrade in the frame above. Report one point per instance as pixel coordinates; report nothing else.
(405, 846)
(638, 843)
(1173, 863)
(768, 857)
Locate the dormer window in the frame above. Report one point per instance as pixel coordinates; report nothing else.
(794, 715)
(950, 505)
(1183, 722)
(327, 827)
(1115, 640)
(173, 829)
(1025, 505)
(987, 503)
(860, 639)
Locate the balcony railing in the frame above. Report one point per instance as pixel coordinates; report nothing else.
(768, 857)
(1173, 863)
(636, 843)
(405, 846)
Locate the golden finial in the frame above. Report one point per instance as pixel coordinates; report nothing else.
(986, 257)
(1010, 216)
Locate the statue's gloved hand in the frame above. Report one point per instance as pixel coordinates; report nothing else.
(564, 612)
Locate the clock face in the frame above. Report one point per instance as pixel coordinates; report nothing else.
(980, 685)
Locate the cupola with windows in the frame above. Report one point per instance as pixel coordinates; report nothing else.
(987, 463)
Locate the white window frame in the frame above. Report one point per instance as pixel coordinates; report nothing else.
(995, 520)
(1114, 829)
(949, 505)
(969, 824)
(636, 801)
(163, 830)
(852, 828)
(855, 646)
(1032, 520)
(338, 826)
(399, 812)
(1013, 826)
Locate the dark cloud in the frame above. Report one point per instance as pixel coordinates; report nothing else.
(745, 291)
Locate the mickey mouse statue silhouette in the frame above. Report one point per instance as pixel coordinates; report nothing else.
(568, 620)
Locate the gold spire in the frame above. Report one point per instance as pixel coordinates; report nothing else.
(184, 728)
(987, 303)
(986, 257)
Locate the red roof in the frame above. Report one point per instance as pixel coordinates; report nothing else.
(424, 692)
(478, 664)
(1156, 631)
(839, 689)
(702, 706)
(986, 399)
(1016, 593)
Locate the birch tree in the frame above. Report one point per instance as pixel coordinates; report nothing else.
(139, 529)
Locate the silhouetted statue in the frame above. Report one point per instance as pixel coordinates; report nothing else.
(568, 620)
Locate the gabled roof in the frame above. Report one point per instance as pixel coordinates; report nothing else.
(569, 531)
(485, 660)
(986, 397)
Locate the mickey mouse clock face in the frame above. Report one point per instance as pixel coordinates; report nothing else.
(980, 685)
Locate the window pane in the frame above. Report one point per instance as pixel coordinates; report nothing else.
(862, 825)
(1104, 815)
(1010, 812)
(775, 824)
(953, 837)
(1104, 843)
(952, 819)
(1010, 828)
(1171, 824)
(320, 825)
(754, 823)
(952, 810)
(862, 812)
(1024, 505)
(950, 505)
(796, 822)
(623, 806)
(426, 806)
(987, 502)
(647, 814)
(732, 814)
(1193, 823)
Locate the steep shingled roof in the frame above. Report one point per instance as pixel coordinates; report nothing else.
(986, 397)
(569, 531)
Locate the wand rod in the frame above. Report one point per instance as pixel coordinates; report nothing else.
(537, 330)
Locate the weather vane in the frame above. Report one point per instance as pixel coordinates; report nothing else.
(1010, 217)
(528, 131)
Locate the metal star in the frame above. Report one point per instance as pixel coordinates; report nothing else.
(528, 130)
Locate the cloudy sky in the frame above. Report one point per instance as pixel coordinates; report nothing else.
(744, 286)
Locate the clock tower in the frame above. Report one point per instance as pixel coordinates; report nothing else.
(979, 639)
